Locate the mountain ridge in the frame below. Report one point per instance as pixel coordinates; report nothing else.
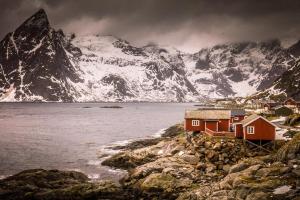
(38, 63)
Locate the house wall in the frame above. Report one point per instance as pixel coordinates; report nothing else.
(189, 127)
(262, 131)
(224, 124)
(239, 130)
(212, 125)
(220, 125)
(290, 102)
(241, 117)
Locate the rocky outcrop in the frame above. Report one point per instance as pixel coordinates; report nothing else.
(175, 168)
(177, 165)
(57, 185)
(268, 177)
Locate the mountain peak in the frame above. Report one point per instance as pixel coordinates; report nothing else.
(295, 49)
(39, 19)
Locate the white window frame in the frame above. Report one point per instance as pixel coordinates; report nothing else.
(250, 130)
(195, 122)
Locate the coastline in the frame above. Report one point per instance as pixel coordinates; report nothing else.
(170, 167)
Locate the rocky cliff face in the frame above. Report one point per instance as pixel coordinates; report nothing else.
(287, 83)
(238, 69)
(34, 63)
(38, 63)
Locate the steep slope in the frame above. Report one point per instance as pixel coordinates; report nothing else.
(113, 70)
(287, 84)
(237, 69)
(38, 63)
(34, 63)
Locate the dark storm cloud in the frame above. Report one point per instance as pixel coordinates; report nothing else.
(187, 24)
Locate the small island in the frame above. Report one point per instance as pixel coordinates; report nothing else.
(115, 107)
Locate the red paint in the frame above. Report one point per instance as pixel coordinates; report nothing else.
(222, 125)
(240, 118)
(189, 127)
(290, 102)
(212, 125)
(239, 130)
(262, 130)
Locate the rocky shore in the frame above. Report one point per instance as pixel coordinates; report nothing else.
(174, 167)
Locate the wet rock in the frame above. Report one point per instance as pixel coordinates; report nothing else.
(127, 161)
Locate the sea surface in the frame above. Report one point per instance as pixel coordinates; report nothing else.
(74, 136)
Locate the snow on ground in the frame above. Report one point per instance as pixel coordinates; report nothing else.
(280, 134)
(280, 119)
(282, 189)
(243, 88)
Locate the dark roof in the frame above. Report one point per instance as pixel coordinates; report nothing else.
(238, 112)
(273, 104)
(281, 106)
(297, 99)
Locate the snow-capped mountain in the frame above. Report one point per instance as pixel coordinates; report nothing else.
(113, 70)
(40, 63)
(34, 63)
(238, 69)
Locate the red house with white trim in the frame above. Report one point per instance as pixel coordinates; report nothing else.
(215, 120)
(224, 123)
(212, 121)
(255, 127)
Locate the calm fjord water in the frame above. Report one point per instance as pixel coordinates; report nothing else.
(71, 136)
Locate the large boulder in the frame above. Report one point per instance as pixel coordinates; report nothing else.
(57, 185)
(289, 151)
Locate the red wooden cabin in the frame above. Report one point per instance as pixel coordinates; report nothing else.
(290, 102)
(214, 120)
(237, 115)
(255, 127)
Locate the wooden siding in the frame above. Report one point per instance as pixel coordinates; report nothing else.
(219, 125)
(240, 119)
(239, 130)
(189, 127)
(262, 130)
(211, 125)
(290, 102)
(224, 125)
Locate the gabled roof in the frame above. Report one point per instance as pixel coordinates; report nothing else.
(296, 99)
(238, 112)
(208, 114)
(281, 106)
(252, 118)
(273, 104)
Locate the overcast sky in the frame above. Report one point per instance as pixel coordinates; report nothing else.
(186, 24)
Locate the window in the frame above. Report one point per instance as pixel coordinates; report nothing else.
(195, 123)
(236, 118)
(250, 129)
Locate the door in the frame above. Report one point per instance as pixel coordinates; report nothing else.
(212, 125)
